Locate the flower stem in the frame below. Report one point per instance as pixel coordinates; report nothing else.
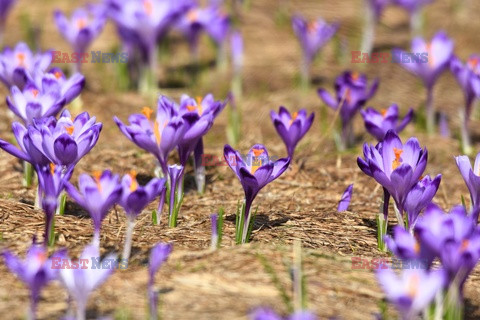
(368, 29)
(32, 310)
(430, 111)
(199, 167)
(464, 119)
(153, 303)
(27, 174)
(128, 238)
(416, 23)
(96, 238)
(305, 72)
(81, 311)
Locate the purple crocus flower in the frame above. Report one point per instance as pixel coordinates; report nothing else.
(471, 177)
(254, 173)
(378, 123)
(35, 102)
(237, 51)
(35, 271)
(19, 65)
(83, 27)
(269, 314)
(407, 247)
(214, 238)
(413, 291)
(377, 7)
(412, 5)
(97, 195)
(63, 142)
(5, 7)
(312, 37)
(134, 199)
(352, 92)
(55, 81)
(468, 78)
(158, 255)
(51, 183)
(419, 197)
(291, 127)
(81, 282)
(439, 52)
(345, 201)
(396, 166)
(158, 136)
(455, 239)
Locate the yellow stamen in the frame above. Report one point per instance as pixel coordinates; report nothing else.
(397, 162)
(21, 59)
(148, 7)
(413, 284)
(256, 163)
(97, 175)
(70, 129)
(134, 183)
(294, 117)
(52, 168)
(199, 105)
(147, 112)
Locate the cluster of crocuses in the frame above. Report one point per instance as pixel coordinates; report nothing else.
(80, 277)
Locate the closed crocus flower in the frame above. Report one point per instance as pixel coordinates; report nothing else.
(82, 28)
(471, 176)
(159, 135)
(55, 81)
(352, 92)
(312, 37)
(35, 102)
(158, 255)
(438, 52)
(35, 271)
(97, 195)
(19, 65)
(81, 282)
(378, 123)
(468, 78)
(133, 200)
(254, 173)
(291, 127)
(412, 291)
(419, 197)
(396, 166)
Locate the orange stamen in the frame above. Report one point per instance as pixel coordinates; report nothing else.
(257, 163)
(35, 93)
(312, 26)
(134, 183)
(430, 55)
(191, 108)
(81, 23)
(192, 15)
(355, 76)
(147, 112)
(52, 168)
(97, 175)
(41, 257)
(416, 248)
(464, 245)
(383, 112)
(397, 162)
(294, 117)
(199, 105)
(21, 59)
(58, 74)
(148, 7)
(70, 129)
(413, 284)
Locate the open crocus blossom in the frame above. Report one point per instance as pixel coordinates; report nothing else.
(471, 176)
(269, 314)
(291, 127)
(159, 135)
(35, 271)
(439, 52)
(97, 195)
(55, 81)
(133, 200)
(35, 102)
(254, 173)
(158, 255)
(63, 142)
(19, 65)
(419, 197)
(413, 291)
(396, 166)
(468, 78)
(455, 239)
(352, 92)
(83, 27)
(312, 37)
(81, 282)
(378, 123)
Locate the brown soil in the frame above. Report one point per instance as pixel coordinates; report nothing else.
(228, 283)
